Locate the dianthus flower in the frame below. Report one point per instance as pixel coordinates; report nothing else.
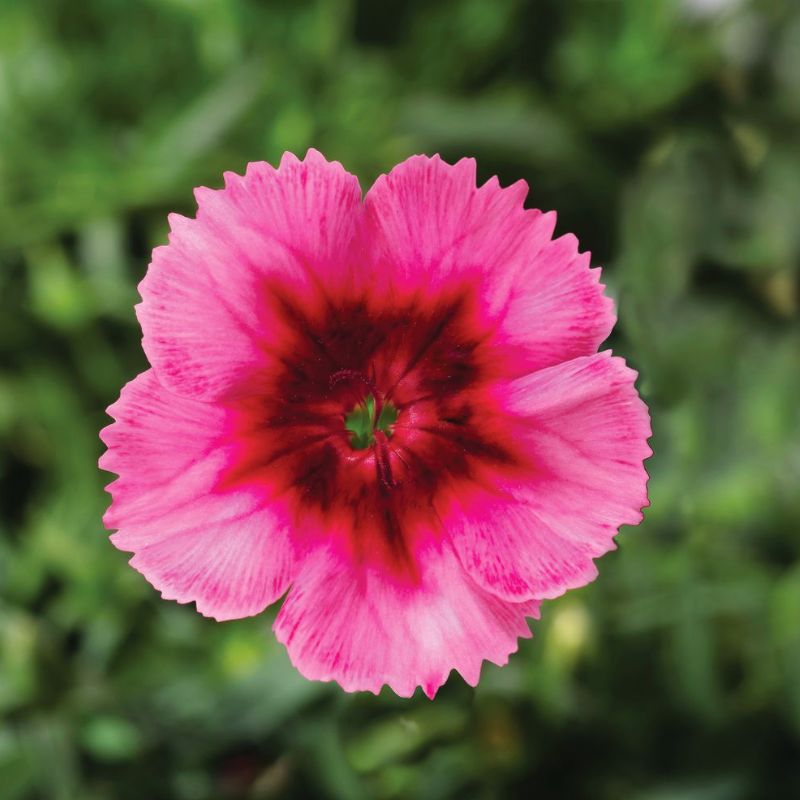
(394, 410)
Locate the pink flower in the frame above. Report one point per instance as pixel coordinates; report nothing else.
(392, 410)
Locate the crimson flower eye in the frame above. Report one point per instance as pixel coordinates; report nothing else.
(392, 411)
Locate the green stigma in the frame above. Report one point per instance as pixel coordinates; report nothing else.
(362, 424)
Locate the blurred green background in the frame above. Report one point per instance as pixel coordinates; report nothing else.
(667, 135)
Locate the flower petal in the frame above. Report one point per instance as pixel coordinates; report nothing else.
(205, 302)
(360, 627)
(226, 550)
(427, 224)
(556, 310)
(585, 431)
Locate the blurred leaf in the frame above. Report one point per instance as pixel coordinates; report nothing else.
(521, 128)
(399, 737)
(111, 739)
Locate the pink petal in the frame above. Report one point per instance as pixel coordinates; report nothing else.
(205, 299)
(355, 625)
(585, 431)
(428, 225)
(556, 309)
(225, 550)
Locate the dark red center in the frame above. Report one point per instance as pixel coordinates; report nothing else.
(434, 361)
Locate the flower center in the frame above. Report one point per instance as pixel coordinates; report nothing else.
(365, 420)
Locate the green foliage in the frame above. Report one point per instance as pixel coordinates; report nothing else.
(665, 133)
